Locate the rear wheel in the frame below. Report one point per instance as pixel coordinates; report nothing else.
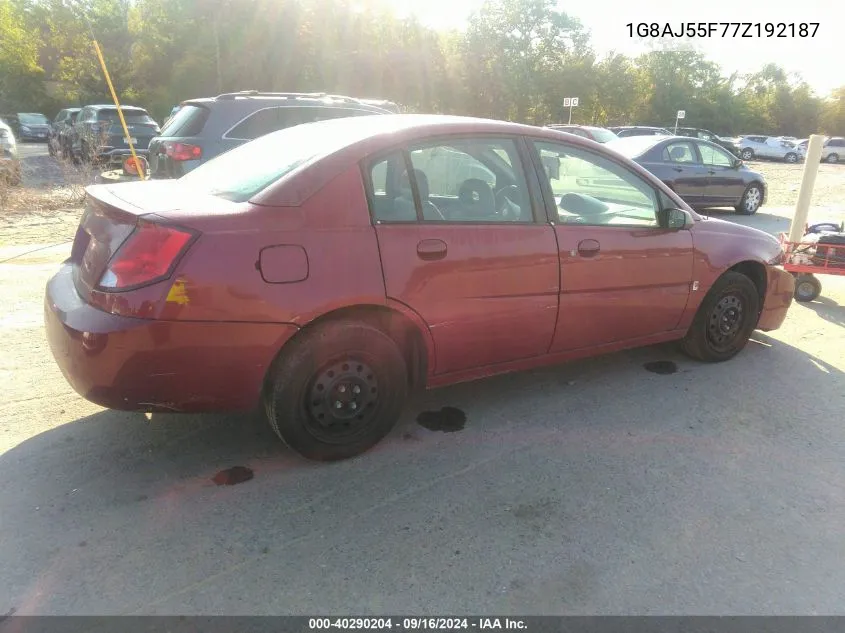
(750, 201)
(807, 288)
(337, 391)
(725, 319)
(833, 158)
(747, 154)
(791, 158)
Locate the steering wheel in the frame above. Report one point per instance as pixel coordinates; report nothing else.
(505, 205)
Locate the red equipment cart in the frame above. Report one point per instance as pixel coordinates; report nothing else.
(820, 252)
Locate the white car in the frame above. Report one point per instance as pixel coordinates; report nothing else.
(8, 145)
(833, 149)
(751, 147)
(9, 165)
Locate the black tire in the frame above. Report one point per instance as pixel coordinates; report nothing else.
(346, 361)
(791, 157)
(833, 158)
(717, 334)
(751, 200)
(747, 154)
(807, 288)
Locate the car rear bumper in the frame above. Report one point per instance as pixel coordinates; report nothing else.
(117, 156)
(779, 293)
(146, 365)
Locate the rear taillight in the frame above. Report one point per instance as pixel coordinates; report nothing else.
(182, 151)
(147, 256)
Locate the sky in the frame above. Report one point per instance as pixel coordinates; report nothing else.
(815, 58)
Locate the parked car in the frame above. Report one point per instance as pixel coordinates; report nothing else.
(833, 150)
(702, 173)
(98, 134)
(325, 271)
(598, 134)
(639, 130)
(751, 147)
(61, 132)
(10, 169)
(205, 128)
(31, 126)
(707, 135)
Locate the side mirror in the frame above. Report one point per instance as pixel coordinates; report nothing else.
(738, 163)
(676, 219)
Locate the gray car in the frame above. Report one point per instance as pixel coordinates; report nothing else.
(204, 128)
(702, 173)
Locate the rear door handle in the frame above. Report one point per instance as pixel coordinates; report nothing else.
(711, 171)
(678, 169)
(431, 249)
(588, 248)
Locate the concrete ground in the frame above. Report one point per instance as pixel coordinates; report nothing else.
(595, 487)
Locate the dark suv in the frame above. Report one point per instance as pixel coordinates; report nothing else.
(61, 132)
(98, 135)
(204, 128)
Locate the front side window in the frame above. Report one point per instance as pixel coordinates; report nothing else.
(682, 152)
(714, 156)
(592, 190)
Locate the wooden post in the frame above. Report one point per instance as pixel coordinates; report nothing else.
(805, 193)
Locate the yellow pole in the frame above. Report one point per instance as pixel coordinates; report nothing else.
(119, 112)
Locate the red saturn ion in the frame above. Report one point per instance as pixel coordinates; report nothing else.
(329, 269)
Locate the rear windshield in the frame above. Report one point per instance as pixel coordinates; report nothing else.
(188, 121)
(247, 169)
(131, 116)
(632, 146)
(32, 119)
(603, 136)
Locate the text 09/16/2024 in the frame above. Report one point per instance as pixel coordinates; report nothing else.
(722, 29)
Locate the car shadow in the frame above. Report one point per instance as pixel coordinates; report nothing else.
(827, 309)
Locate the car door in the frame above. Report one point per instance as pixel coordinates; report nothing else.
(725, 184)
(623, 275)
(460, 245)
(683, 171)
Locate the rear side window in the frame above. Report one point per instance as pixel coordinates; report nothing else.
(188, 121)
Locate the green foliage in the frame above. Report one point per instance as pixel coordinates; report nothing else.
(517, 60)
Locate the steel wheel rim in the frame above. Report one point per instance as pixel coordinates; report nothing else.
(752, 199)
(806, 289)
(726, 322)
(341, 401)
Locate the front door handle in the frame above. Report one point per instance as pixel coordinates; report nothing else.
(588, 248)
(678, 169)
(711, 172)
(431, 249)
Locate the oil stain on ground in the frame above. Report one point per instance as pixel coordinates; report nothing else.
(448, 420)
(233, 476)
(662, 367)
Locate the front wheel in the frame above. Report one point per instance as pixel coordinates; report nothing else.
(725, 319)
(747, 154)
(833, 158)
(337, 390)
(791, 158)
(750, 201)
(807, 288)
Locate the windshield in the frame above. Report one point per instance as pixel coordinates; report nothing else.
(32, 119)
(131, 116)
(247, 169)
(603, 136)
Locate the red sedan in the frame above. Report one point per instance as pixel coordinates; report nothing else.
(328, 269)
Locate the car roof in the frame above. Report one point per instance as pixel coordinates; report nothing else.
(634, 146)
(293, 99)
(102, 106)
(356, 138)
